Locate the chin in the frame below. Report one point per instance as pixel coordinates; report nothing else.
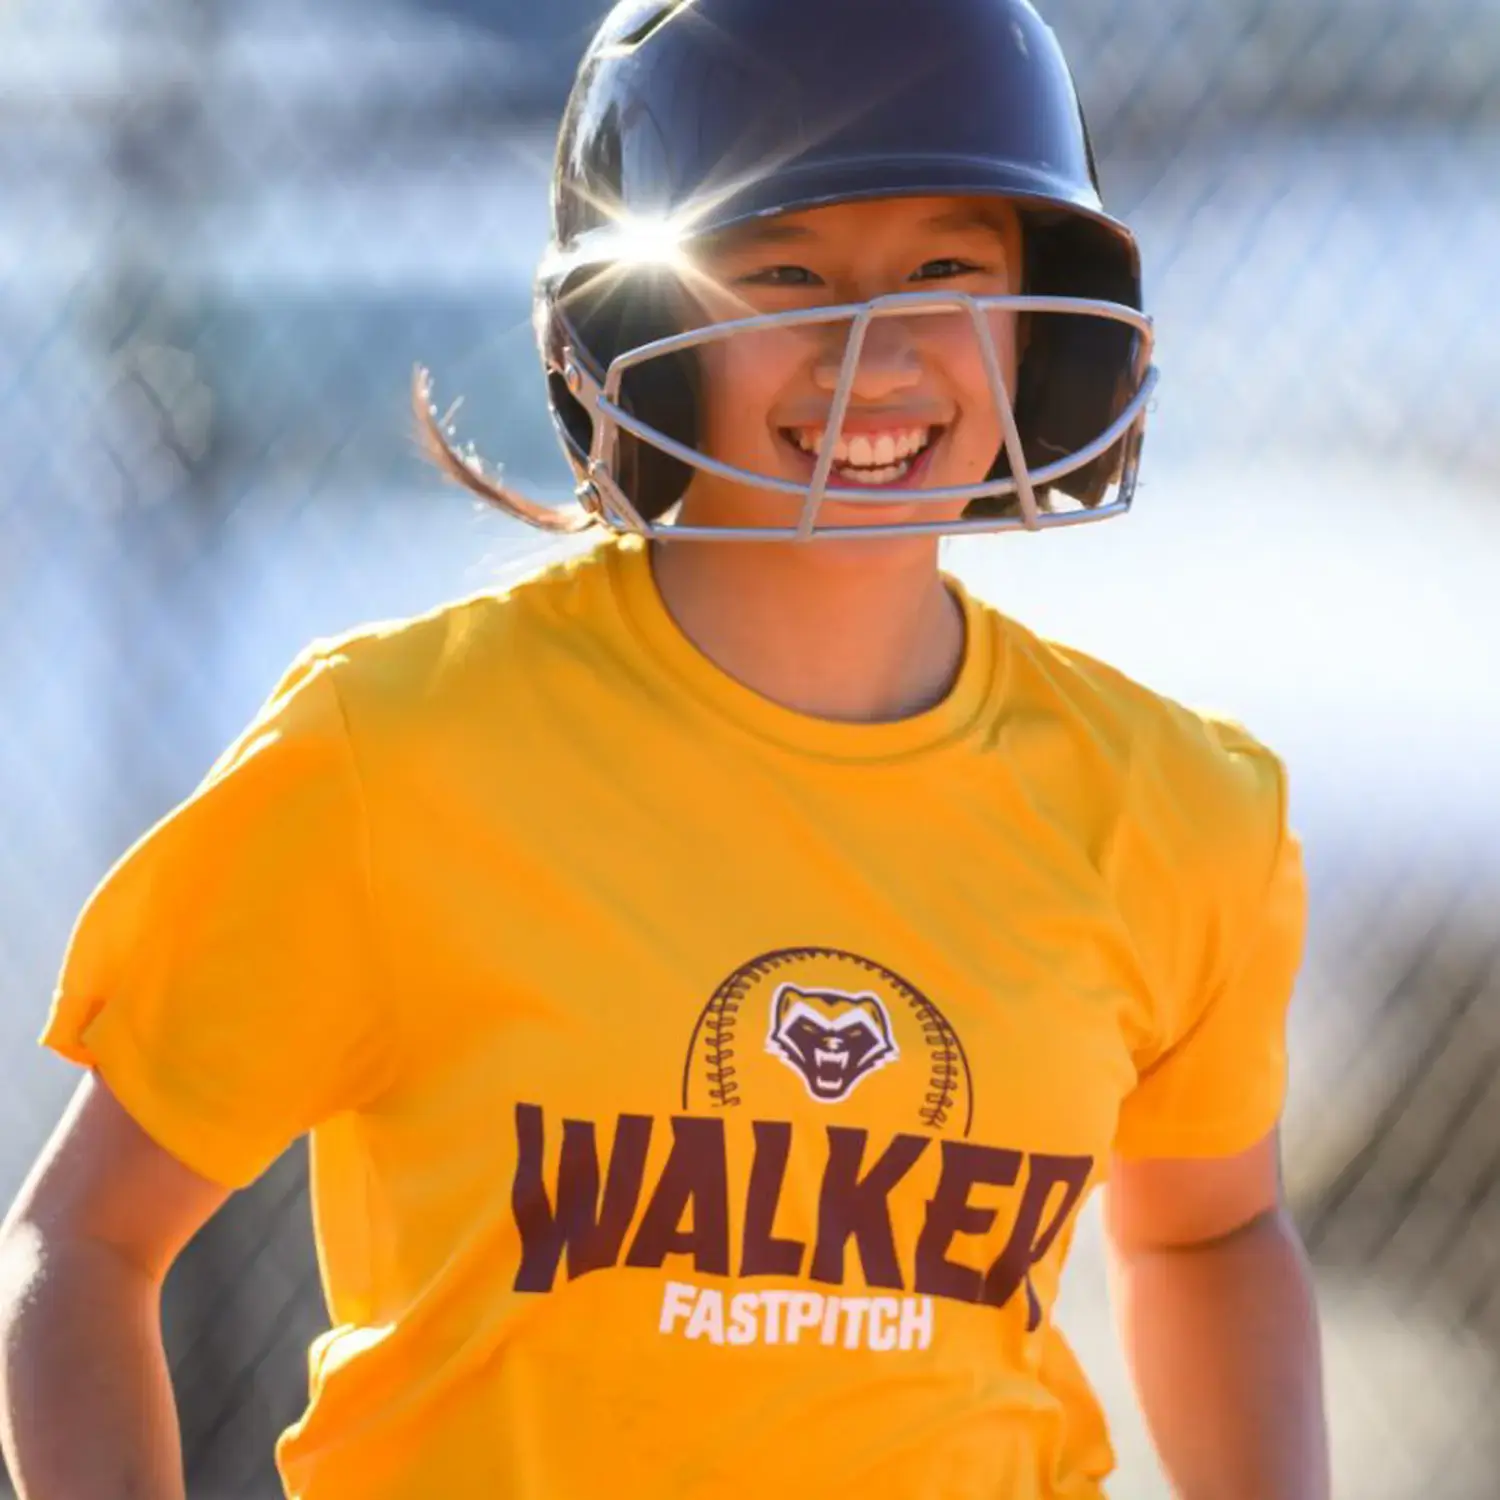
(832, 513)
(835, 512)
(736, 507)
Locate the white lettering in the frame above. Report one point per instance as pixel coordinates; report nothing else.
(856, 1308)
(708, 1316)
(676, 1301)
(773, 1302)
(883, 1313)
(804, 1310)
(879, 1324)
(831, 1320)
(742, 1324)
(916, 1322)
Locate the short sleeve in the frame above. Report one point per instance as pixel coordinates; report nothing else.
(1218, 1084)
(222, 979)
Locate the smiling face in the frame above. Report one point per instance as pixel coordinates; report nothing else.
(921, 413)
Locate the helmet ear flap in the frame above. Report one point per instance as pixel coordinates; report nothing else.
(1078, 371)
(604, 317)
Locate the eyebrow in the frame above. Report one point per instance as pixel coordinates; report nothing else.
(748, 236)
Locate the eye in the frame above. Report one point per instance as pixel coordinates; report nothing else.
(946, 269)
(789, 276)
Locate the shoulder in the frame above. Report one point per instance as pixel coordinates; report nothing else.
(1185, 821)
(385, 671)
(1191, 784)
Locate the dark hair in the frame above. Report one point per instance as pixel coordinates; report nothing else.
(465, 467)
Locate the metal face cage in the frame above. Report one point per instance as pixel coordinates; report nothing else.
(604, 497)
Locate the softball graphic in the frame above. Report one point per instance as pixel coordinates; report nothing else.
(828, 1026)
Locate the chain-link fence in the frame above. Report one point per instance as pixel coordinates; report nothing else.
(226, 234)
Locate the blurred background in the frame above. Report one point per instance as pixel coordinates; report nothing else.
(227, 232)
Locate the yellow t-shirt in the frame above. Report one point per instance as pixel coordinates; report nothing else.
(702, 1095)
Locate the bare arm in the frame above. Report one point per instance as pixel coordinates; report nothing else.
(86, 1404)
(1217, 1317)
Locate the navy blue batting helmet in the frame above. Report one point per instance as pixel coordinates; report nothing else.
(691, 116)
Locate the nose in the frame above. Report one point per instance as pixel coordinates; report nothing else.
(889, 362)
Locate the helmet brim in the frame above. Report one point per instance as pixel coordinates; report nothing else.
(819, 183)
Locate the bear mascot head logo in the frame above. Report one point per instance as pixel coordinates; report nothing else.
(832, 1039)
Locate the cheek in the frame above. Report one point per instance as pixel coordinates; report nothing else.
(741, 381)
(979, 436)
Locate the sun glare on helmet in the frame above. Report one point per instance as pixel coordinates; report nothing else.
(647, 242)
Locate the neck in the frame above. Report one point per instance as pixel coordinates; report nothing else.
(862, 632)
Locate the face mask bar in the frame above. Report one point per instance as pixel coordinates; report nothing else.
(610, 503)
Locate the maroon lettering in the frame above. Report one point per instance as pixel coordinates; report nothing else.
(761, 1253)
(696, 1176)
(582, 1219)
(950, 1213)
(1029, 1242)
(851, 1206)
(574, 1219)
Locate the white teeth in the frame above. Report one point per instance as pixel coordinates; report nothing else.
(866, 452)
(875, 476)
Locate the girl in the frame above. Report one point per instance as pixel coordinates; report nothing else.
(714, 974)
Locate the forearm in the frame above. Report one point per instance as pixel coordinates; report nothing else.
(86, 1404)
(1223, 1343)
